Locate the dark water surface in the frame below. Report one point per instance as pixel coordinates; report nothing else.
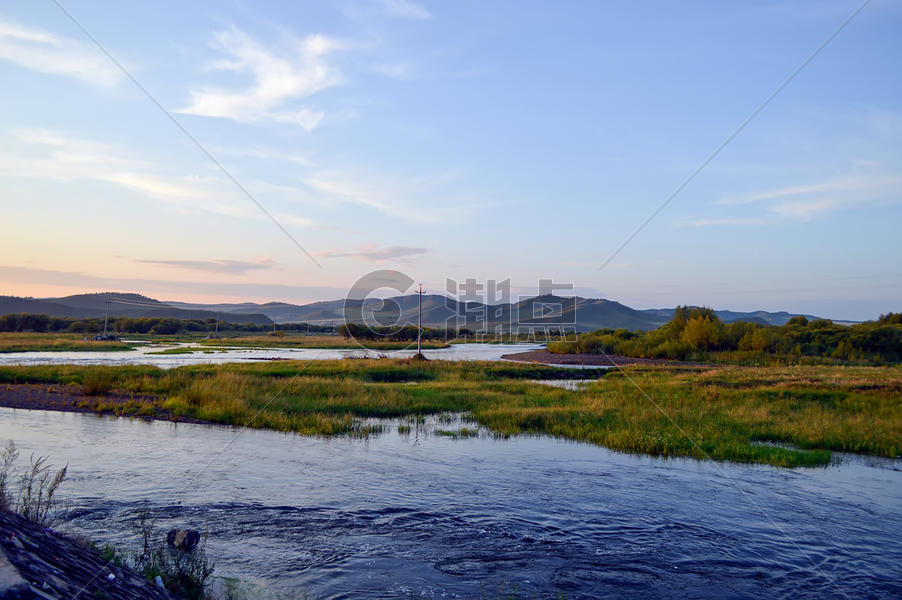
(428, 516)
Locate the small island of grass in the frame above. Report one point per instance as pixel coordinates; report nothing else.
(779, 415)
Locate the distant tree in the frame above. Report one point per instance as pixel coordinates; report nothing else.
(76, 327)
(760, 339)
(819, 323)
(703, 333)
(29, 322)
(891, 319)
(9, 322)
(885, 341)
(674, 328)
(166, 327)
(58, 323)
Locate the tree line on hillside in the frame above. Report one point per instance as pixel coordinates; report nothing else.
(698, 334)
(22, 322)
(397, 334)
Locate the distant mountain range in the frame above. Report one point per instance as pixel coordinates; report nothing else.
(84, 306)
(585, 314)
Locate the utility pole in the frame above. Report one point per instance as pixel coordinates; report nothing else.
(106, 316)
(420, 320)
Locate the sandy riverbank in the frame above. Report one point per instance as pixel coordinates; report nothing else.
(71, 398)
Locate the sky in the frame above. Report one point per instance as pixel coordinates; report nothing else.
(283, 150)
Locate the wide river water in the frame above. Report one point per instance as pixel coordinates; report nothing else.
(420, 515)
(150, 355)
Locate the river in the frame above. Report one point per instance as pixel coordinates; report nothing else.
(420, 515)
(150, 355)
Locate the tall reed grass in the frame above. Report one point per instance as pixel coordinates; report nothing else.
(787, 415)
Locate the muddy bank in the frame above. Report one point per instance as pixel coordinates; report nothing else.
(71, 398)
(591, 360)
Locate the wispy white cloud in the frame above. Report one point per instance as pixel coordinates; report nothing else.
(401, 71)
(404, 8)
(262, 153)
(46, 52)
(308, 118)
(299, 71)
(858, 183)
(296, 221)
(371, 252)
(185, 188)
(416, 199)
(51, 155)
(869, 185)
(727, 222)
(229, 267)
(805, 210)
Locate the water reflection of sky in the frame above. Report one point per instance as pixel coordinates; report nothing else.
(417, 514)
(148, 355)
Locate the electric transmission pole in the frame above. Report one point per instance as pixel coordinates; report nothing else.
(106, 316)
(420, 321)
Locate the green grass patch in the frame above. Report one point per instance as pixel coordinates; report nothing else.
(55, 342)
(721, 413)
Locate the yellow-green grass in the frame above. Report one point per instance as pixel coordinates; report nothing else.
(29, 341)
(60, 342)
(722, 413)
(318, 341)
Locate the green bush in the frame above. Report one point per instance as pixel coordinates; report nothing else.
(698, 334)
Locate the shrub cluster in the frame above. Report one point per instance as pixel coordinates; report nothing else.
(698, 334)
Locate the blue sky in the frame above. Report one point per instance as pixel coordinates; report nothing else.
(455, 140)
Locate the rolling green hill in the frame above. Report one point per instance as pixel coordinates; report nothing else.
(585, 314)
(82, 306)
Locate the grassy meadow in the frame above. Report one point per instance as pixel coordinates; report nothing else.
(54, 342)
(784, 416)
(316, 341)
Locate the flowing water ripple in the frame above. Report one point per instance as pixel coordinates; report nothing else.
(446, 518)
